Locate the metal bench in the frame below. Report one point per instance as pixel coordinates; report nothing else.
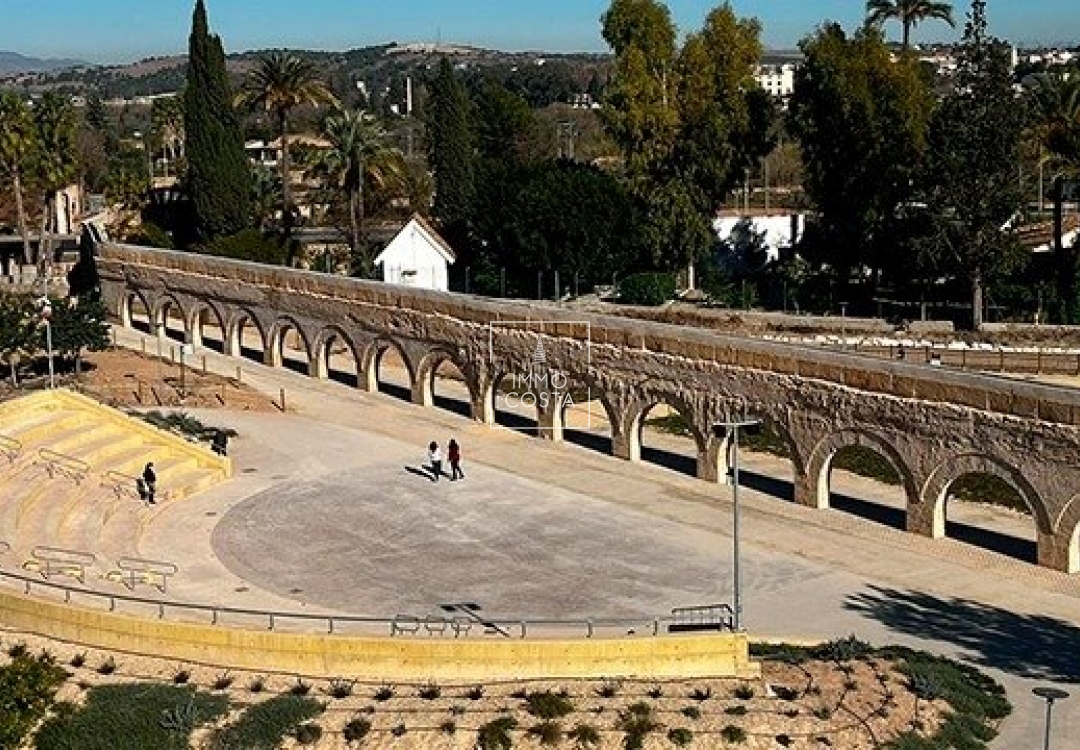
(10, 448)
(436, 625)
(133, 571)
(57, 464)
(50, 561)
(405, 625)
(717, 617)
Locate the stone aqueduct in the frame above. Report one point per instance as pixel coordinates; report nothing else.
(933, 425)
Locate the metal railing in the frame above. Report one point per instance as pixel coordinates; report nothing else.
(10, 448)
(135, 570)
(121, 484)
(332, 624)
(66, 466)
(50, 561)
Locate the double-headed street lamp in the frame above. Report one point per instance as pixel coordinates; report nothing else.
(723, 430)
(46, 316)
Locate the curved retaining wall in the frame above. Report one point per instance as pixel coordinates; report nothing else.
(390, 659)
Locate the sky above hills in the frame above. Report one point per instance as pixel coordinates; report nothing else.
(107, 31)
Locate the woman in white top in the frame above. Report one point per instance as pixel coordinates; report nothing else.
(435, 459)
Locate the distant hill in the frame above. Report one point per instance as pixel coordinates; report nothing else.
(13, 62)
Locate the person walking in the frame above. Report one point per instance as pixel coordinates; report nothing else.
(435, 459)
(149, 478)
(454, 454)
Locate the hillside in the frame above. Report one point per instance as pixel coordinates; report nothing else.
(12, 63)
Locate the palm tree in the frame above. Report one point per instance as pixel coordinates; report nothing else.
(17, 142)
(358, 155)
(55, 161)
(279, 84)
(1057, 110)
(910, 13)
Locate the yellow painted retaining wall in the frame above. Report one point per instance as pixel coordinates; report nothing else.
(405, 659)
(63, 399)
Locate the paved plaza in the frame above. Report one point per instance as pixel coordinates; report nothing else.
(331, 512)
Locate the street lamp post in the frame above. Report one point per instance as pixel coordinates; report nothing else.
(46, 315)
(1049, 694)
(722, 429)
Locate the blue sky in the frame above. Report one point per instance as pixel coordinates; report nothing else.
(123, 30)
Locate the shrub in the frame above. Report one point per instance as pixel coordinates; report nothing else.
(399, 730)
(584, 736)
(548, 733)
(655, 692)
(308, 734)
(107, 667)
(608, 690)
(18, 650)
(300, 688)
(430, 692)
(340, 689)
(384, 693)
(457, 710)
(223, 681)
(78, 660)
(637, 723)
(691, 712)
(733, 734)
(265, 725)
(736, 711)
(495, 735)
(475, 693)
(548, 705)
(844, 650)
(701, 694)
(649, 289)
(744, 692)
(250, 245)
(449, 726)
(257, 685)
(784, 740)
(136, 715)
(680, 736)
(27, 687)
(823, 712)
(181, 677)
(356, 730)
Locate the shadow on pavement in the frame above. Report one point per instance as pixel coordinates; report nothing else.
(1003, 544)
(1030, 646)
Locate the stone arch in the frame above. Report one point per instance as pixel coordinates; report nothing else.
(275, 352)
(320, 351)
(634, 424)
(513, 402)
(195, 323)
(720, 454)
(166, 302)
(371, 359)
(589, 435)
(127, 312)
(822, 455)
(427, 370)
(1061, 550)
(234, 345)
(933, 496)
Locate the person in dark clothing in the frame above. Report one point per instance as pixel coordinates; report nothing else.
(220, 443)
(150, 480)
(454, 455)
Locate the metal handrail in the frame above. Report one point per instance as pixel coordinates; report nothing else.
(58, 560)
(10, 448)
(155, 572)
(66, 466)
(121, 484)
(331, 622)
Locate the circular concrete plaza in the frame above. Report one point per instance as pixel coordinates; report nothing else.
(375, 535)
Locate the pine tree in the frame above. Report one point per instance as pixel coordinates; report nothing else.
(451, 153)
(219, 177)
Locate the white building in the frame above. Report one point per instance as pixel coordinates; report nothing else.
(417, 257)
(775, 232)
(777, 80)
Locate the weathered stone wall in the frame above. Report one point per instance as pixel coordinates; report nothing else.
(932, 423)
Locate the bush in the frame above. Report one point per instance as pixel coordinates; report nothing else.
(250, 245)
(449, 726)
(691, 712)
(430, 692)
(650, 289)
(384, 693)
(736, 711)
(733, 734)
(548, 705)
(608, 690)
(132, 717)
(107, 667)
(340, 689)
(28, 685)
(495, 735)
(308, 734)
(263, 726)
(547, 733)
(181, 676)
(475, 693)
(701, 694)
(356, 730)
(300, 688)
(584, 736)
(744, 692)
(223, 681)
(680, 736)
(637, 723)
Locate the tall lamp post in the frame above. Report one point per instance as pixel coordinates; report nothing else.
(1049, 694)
(46, 315)
(722, 430)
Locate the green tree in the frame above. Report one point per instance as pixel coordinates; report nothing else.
(974, 147)
(218, 175)
(167, 130)
(451, 153)
(17, 335)
(861, 121)
(77, 326)
(910, 13)
(279, 84)
(358, 155)
(18, 139)
(1056, 111)
(127, 178)
(55, 163)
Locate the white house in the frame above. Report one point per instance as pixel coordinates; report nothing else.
(776, 232)
(417, 257)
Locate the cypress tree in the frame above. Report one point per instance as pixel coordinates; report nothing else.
(218, 177)
(450, 147)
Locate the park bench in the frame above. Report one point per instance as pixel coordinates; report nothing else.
(10, 448)
(57, 464)
(133, 571)
(717, 617)
(50, 561)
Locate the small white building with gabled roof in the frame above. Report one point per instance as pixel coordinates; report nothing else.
(418, 257)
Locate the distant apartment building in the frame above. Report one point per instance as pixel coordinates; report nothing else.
(777, 80)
